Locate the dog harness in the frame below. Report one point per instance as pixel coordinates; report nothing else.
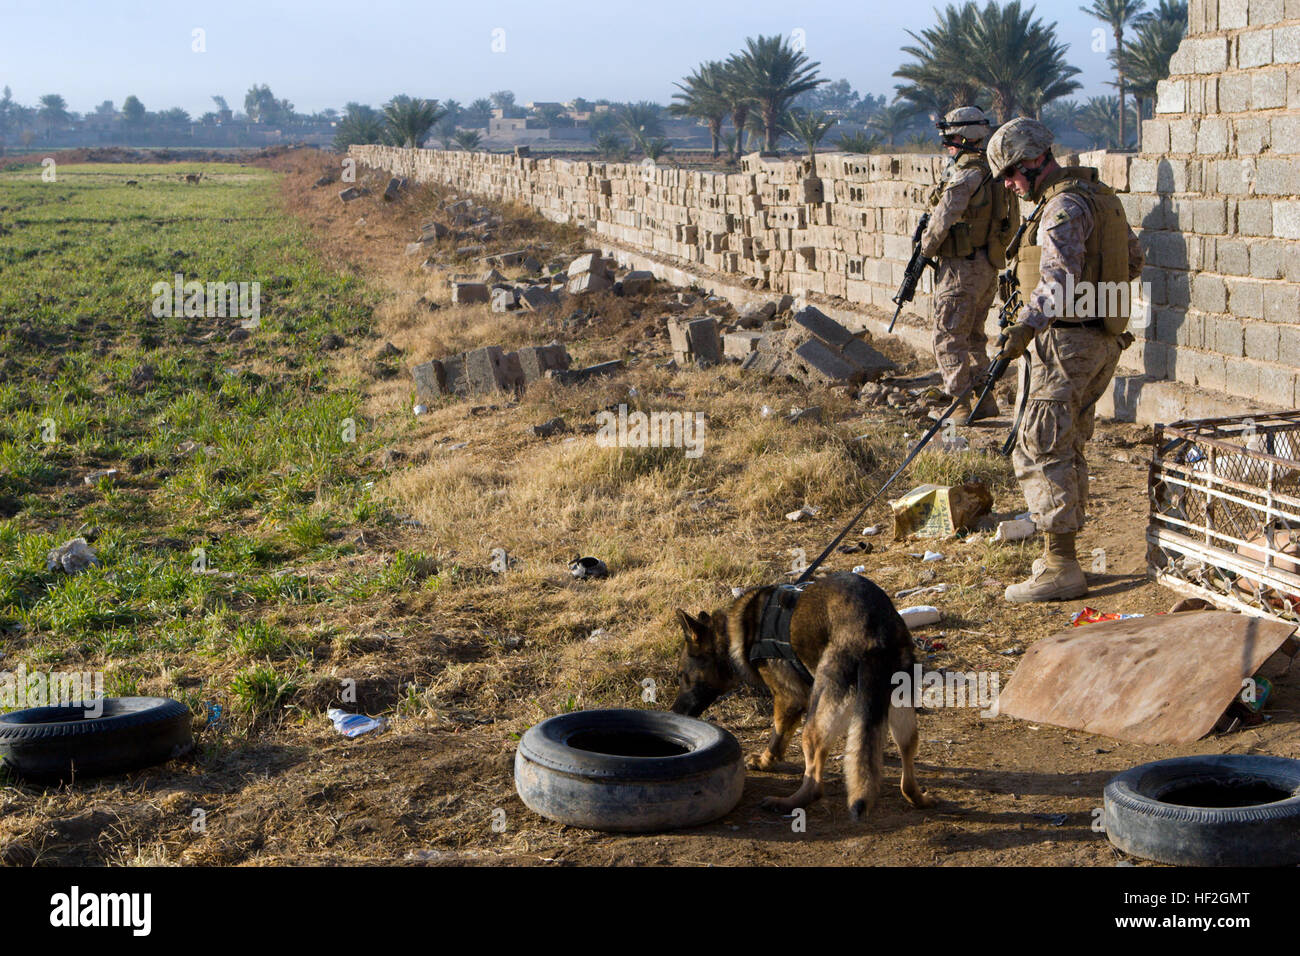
(774, 630)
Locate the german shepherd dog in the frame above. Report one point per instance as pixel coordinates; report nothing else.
(848, 634)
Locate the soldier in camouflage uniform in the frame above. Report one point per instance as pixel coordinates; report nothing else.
(968, 212)
(1077, 250)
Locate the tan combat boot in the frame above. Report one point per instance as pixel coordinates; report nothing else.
(987, 408)
(1059, 578)
(959, 414)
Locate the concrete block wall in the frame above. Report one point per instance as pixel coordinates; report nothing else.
(1216, 194)
(753, 225)
(1214, 197)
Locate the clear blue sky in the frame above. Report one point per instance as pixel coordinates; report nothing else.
(327, 52)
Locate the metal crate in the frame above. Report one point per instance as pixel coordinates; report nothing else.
(1225, 512)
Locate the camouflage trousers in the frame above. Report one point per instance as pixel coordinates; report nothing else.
(1069, 370)
(963, 292)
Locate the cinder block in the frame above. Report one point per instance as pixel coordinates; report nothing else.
(465, 293)
(1284, 135)
(706, 346)
(1286, 220)
(1265, 12)
(1286, 44)
(536, 360)
(1233, 14)
(815, 364)
(428, 380)
(738, 345)
(1282, 304)
(1209, 294)
(1255, 49)
(488, 370)
(815, 322)
(1231, 258)
(1268, 89)
(1262, 341)
(1228, 337)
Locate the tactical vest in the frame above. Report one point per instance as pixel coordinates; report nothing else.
(985, 216)
(1102, 292)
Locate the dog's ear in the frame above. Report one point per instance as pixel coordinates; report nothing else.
(693, 628)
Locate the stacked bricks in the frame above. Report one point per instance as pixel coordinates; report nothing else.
(1216, 192)
(1214, 197)
(763, 222)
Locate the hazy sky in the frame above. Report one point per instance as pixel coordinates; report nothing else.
(327, 52)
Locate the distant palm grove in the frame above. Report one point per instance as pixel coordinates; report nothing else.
(767, 96)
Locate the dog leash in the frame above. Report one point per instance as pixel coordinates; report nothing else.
(934, 430)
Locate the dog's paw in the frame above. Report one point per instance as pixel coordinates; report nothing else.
(761, 761)
(922, 800)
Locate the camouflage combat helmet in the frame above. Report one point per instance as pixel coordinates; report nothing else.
(1017, 141)
(966, 122)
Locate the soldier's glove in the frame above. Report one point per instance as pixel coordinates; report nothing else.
(1017, 341)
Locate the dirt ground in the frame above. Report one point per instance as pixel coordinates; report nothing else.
(430, 790)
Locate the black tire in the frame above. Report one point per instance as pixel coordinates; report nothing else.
(1143, 818)
(60, 743)
(688, 772)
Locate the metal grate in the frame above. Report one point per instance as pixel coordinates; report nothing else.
(1225, 508)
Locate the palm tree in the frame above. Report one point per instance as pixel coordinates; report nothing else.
(359, 125)
(858, 143)
(611, 147)
(703, 96)
(1117, 14)
(772, 74)
(809, 129)
(481, 111)
(1145, 59)
(1018, 60)
(53, 112)
(446, 131)
(409, 119)
(1098, 121)
(1062, 116)
(468, 139)
(893, 121)
(641, 121)
(655, 149)
(938, 81)
(502, 99)
(738, 104)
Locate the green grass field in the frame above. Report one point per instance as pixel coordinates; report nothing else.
(235, 461)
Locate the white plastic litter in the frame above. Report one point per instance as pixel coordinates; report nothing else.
(934, 556)
(71, 557)
(920, 615)
(354, 725)
(870, 530)
(860, 569)
(420, 409)
(1015, 530)
(766, 411)
(912, 592)
(94, 477)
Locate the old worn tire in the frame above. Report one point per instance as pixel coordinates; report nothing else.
(1140, 821)
(606, 791)
(62, 743)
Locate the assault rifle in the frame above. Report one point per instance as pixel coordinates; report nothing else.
(915, 266)
(1006, 316)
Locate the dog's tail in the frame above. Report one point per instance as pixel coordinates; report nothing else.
(864, 753)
